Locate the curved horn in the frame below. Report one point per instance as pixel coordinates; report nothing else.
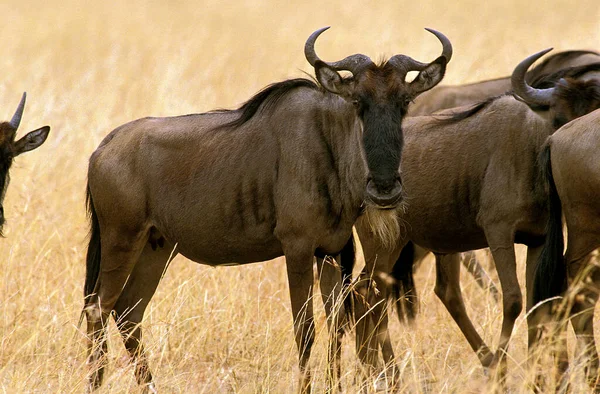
(523, 90)
(353, 63)
(404, 64)
(16, 119)
(309, 47)
(407, 63)
(446, 44)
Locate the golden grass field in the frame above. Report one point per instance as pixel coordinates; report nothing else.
(89, 67)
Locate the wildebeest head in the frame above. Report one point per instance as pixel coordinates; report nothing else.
(380, 95)
(568, 99)
(9, 148)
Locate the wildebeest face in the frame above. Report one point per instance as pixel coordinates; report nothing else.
(381, 95)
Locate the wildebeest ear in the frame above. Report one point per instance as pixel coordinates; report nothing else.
(31, 140)
(429, 76)
(331, 80)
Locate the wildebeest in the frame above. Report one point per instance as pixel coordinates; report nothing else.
(471, 180)
(451, 96)
(285, 174)
(572, 168)
(9, 148)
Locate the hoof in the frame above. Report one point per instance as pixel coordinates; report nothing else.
(380, 384)
(151, 388)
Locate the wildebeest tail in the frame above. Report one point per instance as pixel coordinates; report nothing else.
(403, 285)
(93, 253)
(348, 257)
(551, 272)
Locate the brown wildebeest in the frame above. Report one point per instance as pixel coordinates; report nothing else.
(451, 96)
(9, 148)
(573, 174)
(401, 279)
(471, 181)
(286, 174)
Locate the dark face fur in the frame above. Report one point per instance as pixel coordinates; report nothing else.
(381, 105)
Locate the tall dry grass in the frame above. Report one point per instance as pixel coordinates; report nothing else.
(89, 67)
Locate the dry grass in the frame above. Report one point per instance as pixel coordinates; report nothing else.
(89, 67)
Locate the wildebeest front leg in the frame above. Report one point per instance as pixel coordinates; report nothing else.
(512, 301)
(367, 347)
(132, 303)
(447, 288)
(372, 331)
(299, 264)
(331, 291)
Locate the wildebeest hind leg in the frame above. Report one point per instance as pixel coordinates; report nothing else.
(447, 288)
(132, 303)
(119, 255)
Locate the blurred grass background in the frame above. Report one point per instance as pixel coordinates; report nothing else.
(90, 67)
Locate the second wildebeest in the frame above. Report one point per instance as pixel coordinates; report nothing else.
(444, 97)
(450, 96)
(471, 181)
(288, 174)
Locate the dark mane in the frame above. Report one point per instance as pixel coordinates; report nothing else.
(548, 80)
(267, 98)
(467, 113)
(561, 57)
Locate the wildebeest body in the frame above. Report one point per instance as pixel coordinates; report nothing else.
(217, 162)
(487, 164)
